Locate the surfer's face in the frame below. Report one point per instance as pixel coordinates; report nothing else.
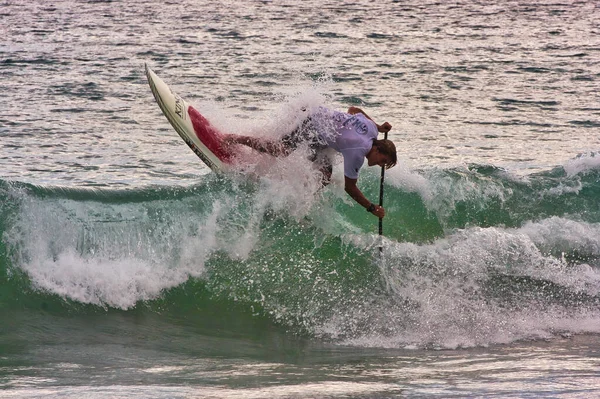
(374, 157)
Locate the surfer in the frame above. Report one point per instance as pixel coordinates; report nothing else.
(352, 133)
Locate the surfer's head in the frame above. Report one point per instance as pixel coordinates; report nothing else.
(383, 153)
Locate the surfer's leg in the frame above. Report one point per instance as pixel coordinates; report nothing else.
(267, 146)
(326, 171)
(322, 159)
(277, 148)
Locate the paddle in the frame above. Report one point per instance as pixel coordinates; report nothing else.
(381, 204)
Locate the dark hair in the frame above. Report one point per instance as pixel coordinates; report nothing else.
(387, 148)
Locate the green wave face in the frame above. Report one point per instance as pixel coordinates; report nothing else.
(467, 254)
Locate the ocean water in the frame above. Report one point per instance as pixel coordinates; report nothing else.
(129, 270)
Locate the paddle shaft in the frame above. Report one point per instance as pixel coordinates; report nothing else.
(381, 201)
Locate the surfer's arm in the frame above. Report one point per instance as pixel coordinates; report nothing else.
(385, 127)
(357, 195)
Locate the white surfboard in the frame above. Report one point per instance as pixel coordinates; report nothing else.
(204, 139)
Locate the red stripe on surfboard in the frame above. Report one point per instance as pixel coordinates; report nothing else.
(209, 136)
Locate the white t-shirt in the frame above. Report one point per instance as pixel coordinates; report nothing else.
(352, 135)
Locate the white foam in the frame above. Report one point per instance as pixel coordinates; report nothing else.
(583, 163)
(458, 291)
(401, 176)
(287, 110)
(118, 283)
(109, 255)
(563, 235)
(441, 190)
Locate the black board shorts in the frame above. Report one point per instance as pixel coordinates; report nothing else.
(307, 133)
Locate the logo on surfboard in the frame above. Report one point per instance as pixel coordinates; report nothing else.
(179, 107)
